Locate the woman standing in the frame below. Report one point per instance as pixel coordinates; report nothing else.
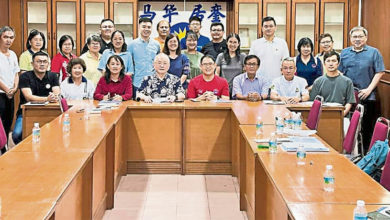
(193, 55)
(230, 63)
(35, 42)
(61, 59)
(92, 58)
(179, 63)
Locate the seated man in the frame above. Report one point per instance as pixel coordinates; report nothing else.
(208, 86)
(161, 84)
(36, 85)
(333, 86)
(250, 85)
(289, 88)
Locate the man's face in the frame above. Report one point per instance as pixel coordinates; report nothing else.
(269, 28)
(207, 66)
(358, 39)
(331, 63)
(7, 38)
(145, 29)
(217, 32)
(251, 66)
(288, 70)
(195, 26)
(40, 64)
(106, 29)
(161, 64)
(326, 44)
(163, 29)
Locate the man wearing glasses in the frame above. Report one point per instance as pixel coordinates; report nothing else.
(251, 85)
(217, 44)
(208, 86)
(326, 45)
(107, 27)
(364, 66)
(38, 85)
(195, 26)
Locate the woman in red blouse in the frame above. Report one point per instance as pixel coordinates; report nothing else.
(61, 59)
(114, 85)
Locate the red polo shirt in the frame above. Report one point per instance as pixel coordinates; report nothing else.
(123, 88)
(218, 85)
(59, 64)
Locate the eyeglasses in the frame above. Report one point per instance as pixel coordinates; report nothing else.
(326, 42)
(288, 68)
(107, 27)
(42, 61)
(251, 64)
(216, 30)
(358, 37)
(207, 64)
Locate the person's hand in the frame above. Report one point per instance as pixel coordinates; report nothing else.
(106, 97)
(255, 96)
(202, 97)
(117, 98)
(210, 96)
(147, 99)
(129, 74)
(293, 100)
(10, 93)
(52, 97)
(171, 98)
(364, 93)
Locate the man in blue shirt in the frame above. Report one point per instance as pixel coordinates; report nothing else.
(143, 50)
(195, 24)
(364, 66)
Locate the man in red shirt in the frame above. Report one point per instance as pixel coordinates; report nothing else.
(208, 86)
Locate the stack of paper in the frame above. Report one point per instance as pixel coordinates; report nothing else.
(299, 132)
(309, 143)
(271, 102)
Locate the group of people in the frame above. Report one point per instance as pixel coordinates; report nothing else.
(193, 67)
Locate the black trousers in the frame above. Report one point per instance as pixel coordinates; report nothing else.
(6, 112)
(368, 123)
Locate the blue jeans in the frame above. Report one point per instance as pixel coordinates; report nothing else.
(17, 133)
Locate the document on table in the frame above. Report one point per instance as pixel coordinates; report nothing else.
(222, 101)
(271, 102)
(109, 103)
(37, 103)
(299, 132)
(309, 143)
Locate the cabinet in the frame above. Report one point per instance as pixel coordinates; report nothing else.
(122, 13)
(92, 11)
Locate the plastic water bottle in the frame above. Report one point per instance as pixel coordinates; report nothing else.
(287, 120)
(66, 123)
(259, 128)
(36, 132)
(301, 155)
(279, 125)
(272, 144)
(329, 179)
(360, 212)
(298, 121)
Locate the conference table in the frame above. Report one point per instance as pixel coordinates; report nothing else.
(74, 175)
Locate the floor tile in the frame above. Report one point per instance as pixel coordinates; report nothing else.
(219, 183)
(126, 200)
(192, 198)
(223, 213)
(121, 214)
(193, 212)
(161, 199)
(225, 199)
(160, 213)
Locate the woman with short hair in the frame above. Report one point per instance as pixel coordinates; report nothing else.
(61, 59)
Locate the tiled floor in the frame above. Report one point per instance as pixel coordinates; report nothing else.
(170, 197)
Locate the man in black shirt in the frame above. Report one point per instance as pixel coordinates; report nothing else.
(36, 85)
(107, 27)
(217, 44)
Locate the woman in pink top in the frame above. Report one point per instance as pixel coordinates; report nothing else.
(61, 59)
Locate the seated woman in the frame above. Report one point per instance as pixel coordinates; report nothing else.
(161, 84)
(114, 85)
(118, 47)
(76, 86)
(62, 58)
(35, 42)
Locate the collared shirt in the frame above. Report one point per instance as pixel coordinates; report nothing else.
(38, 87)
(103, 47)
(361, 66)
(293, 88)
(202, 40)
(194, 63)
(8, 69)
(25, 61)
(122, 87)
(92, 73)
(126, 57)
(271, 54)
(243, 85)
(155, 87)
(213, 49)
(143, 53)
(310, 71)
(59, 64)
(69, 90)
(198, 86)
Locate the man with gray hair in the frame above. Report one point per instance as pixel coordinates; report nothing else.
(9, 78)
(288, 87)
(364, 66)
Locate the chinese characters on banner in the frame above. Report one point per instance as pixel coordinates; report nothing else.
(178, 13)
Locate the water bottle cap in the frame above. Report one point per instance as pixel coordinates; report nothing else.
(36, 124)
(360, 203)
(329, 167)
(259, 118)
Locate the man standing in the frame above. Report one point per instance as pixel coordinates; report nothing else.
(36, 85)
(143, 50)
(270, 49)
(333, 86)
(289, 88)
(364, 66)
(9, 78)
(208, 86)
(107, 27)
(163, 29)
(195, 24)
(217, 44)
(250, 85)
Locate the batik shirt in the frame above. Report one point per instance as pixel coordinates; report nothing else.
(156, 88)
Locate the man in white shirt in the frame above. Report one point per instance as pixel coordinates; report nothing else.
(289, 88)
(9, 78)
(270, 49)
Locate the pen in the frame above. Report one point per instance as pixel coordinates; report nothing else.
(262, 146)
